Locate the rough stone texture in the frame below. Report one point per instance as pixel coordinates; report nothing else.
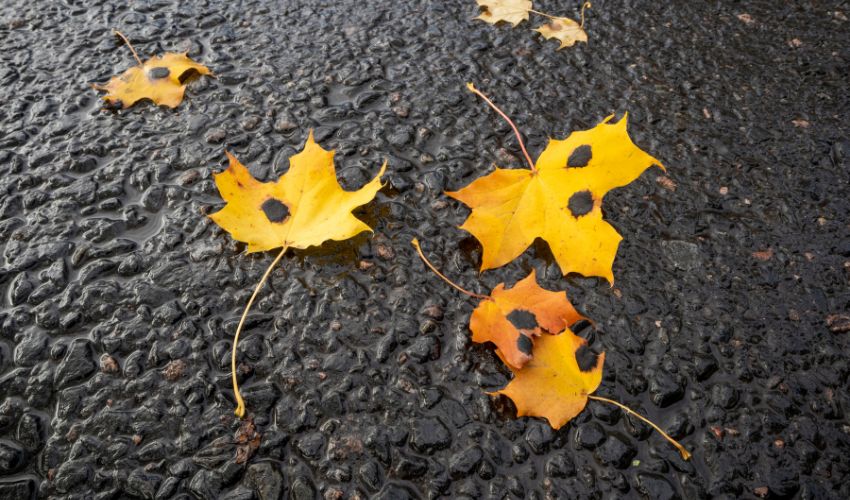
(718, 327)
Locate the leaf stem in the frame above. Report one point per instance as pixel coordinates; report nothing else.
(415, 243)
(585, 5)
(474, 90)
(544, 14)
(121, 35)
(682, 451)
(240, 403)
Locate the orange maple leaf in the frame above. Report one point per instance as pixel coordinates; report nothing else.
(556, 382)
(511, 318)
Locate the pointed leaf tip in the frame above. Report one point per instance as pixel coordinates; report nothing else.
(381, 173)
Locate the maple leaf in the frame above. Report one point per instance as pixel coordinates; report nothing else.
(511, 11)
(565, 30)
(556, 382)
(511, 318)
(160, 79)
(305, 207)
(563, 373)
(559, 200)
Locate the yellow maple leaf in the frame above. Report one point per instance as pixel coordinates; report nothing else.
(553, 384)
(511, 11)
(564, 29)
(162, 79)
(559, 200)
(512, 318)
(567, 31)
(305, 207)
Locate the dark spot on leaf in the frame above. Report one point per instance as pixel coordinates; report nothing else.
(522, 320)
(523, 343)
(580, 156)
(580, 326)
(275, 210)
(580, 203)
(585, 358)
(188, 74)
(160, 72)
(113, 104)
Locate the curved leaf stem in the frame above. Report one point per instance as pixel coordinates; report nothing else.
(585, 5)
(415, 243)
(682, 450)
(474, 90)
(240, 403)
(121, 35)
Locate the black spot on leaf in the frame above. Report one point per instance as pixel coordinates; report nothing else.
(580, 326)
(522, 320)
(580, 203)
(113, 105)
(275, 210)
(580, 156)
(189, 73)
(523, 343)
(585, 358)
(160, 72)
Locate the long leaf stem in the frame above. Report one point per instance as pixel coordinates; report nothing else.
(585, 5)
(550, 16)
(240, 403)
(682, 450)
(474, 90)
(130, 45)
(415, 243)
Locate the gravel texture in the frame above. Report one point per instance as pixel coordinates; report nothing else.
(728, 323)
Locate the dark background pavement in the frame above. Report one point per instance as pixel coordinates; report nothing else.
(120, 297)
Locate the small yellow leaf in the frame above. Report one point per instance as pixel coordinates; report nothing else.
(555, 383)
(560, 202)
(304, 208)
(160, 79)
(567, 31)
(510, 11)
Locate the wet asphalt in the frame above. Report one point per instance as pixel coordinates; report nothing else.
(727, 324)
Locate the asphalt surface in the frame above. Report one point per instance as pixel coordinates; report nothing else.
(727, 324)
